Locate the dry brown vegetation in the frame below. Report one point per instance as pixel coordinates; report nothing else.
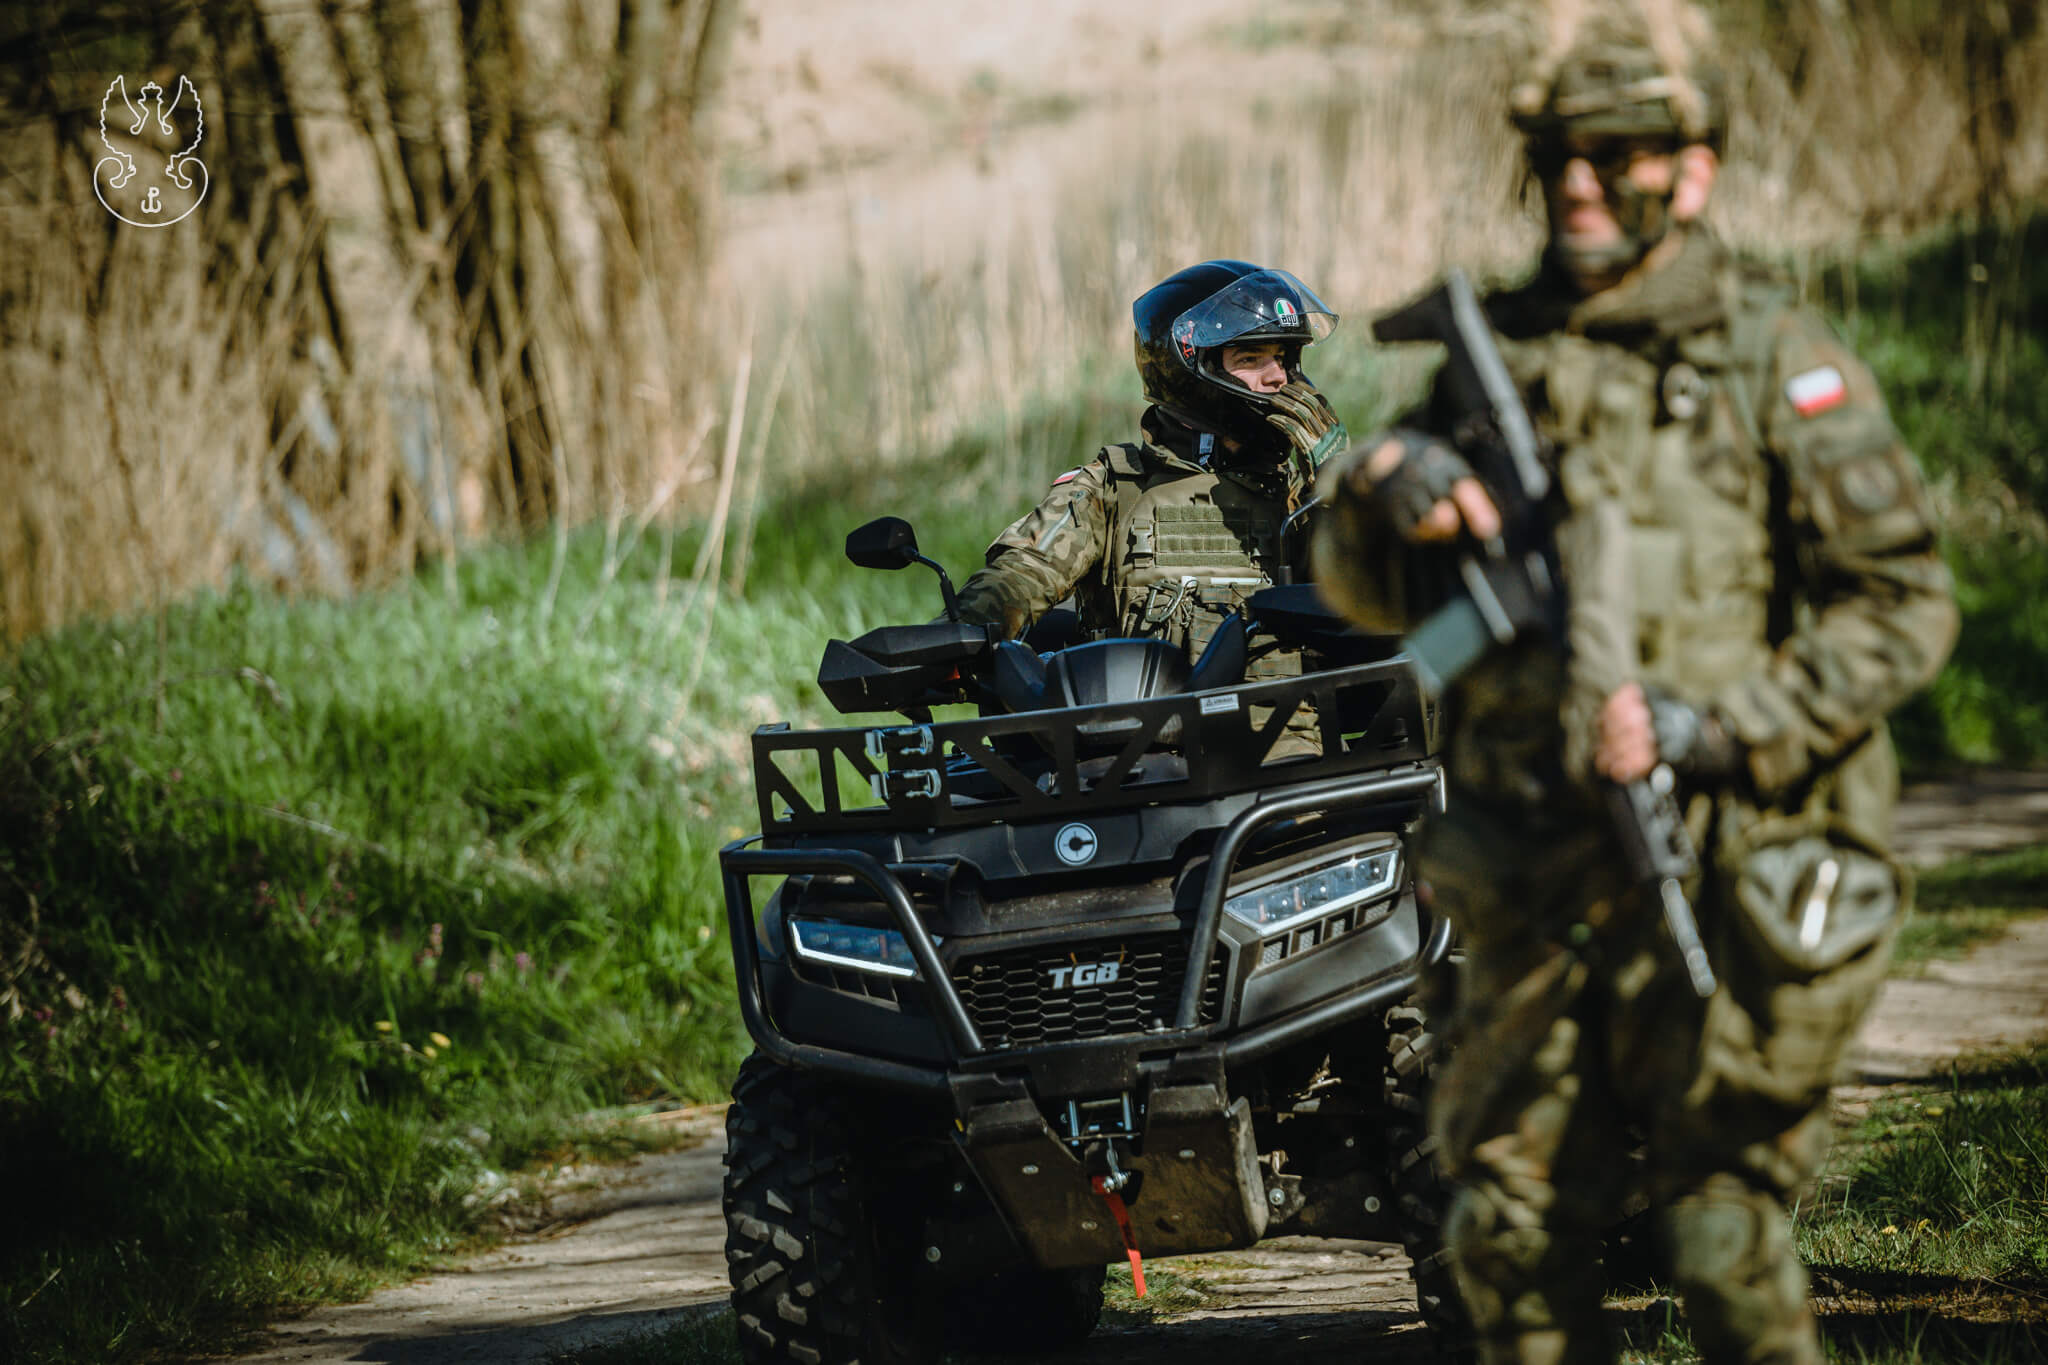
(443, 282)
(451, 282)
(936, 297)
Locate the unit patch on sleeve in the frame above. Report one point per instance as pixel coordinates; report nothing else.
(1816, 391)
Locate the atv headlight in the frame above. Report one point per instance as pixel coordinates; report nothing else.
(858, 947)
(1279, 906)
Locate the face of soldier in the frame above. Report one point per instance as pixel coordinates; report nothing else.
(1260, 366)
(1611, 200)
(1582, 213)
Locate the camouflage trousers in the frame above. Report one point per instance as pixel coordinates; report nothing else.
(1586, 1075)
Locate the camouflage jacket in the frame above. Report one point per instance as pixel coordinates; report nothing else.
(1155, 539)
(1740, 525)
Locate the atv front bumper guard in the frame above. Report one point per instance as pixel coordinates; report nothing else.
(739, 863)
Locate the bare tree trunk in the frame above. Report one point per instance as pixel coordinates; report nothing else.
(456, 248)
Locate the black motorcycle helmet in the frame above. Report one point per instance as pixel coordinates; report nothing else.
(1183, 324)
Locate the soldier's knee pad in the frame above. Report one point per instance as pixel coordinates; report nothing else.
(1498, 1264)
(1727, 1233)
(1492, 1241)
(1470, 1221)
(1744, 1289)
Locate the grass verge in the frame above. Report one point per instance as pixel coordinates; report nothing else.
(1927, 1235)
(1967, 901)
(1949, 1185)
(1867, 1333)
(1170, 1290)
(317, 918)
(1952, 329)
(705, 1337)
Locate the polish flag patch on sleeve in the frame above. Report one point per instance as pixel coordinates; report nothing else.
(1070, 474)
(1816, 391)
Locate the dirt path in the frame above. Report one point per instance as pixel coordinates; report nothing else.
(645, 1243)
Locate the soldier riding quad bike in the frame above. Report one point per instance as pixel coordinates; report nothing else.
(1091, 976)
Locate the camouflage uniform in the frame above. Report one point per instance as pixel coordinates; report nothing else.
(1776, 563)
(1151, 539)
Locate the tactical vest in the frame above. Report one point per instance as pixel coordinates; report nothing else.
(1187, 547)
(1678, 434)
(1698, 578)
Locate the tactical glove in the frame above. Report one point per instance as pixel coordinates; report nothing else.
(983, 605)
(1306, 419)
(1419, 481)
(1694, 741)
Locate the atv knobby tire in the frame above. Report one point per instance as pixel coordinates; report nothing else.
(1420, 1194)
(815, 1280)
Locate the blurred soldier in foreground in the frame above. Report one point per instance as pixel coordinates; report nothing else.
(1169, 535)
(1753, 583)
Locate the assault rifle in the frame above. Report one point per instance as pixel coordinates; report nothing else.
(1511, 584)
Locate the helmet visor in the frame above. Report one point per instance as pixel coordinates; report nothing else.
(1266, 305)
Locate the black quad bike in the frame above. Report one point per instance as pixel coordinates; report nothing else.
(1094, 975)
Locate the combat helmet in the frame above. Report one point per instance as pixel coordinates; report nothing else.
(1184, 322)
(1620, 89)
(1625, 83)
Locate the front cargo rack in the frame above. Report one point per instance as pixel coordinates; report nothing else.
(1044, 764)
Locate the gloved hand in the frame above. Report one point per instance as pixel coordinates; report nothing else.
(1306, 419)
(984, 604)
(1425, 489)
(1695, 741)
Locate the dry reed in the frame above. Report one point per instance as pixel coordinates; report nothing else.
(902, 311)
(951, 304)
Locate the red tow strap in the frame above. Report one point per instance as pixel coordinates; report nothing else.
(1123, 1226)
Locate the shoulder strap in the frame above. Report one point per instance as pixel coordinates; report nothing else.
(1753, 305)
(1125, 459)
(1125, 462)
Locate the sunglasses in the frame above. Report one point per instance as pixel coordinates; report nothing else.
(1610, 157)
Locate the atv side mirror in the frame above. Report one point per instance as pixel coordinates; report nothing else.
(889, 543)
(884, 543)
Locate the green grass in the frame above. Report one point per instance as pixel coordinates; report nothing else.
(1929, 1228)
(1927, 1234)
(1952, 329)
(1170, 1289)
(1966, 901)
(314, 914)
(1947, 1185)
(239, 841)
(1987, 705)
(2016, 880)
(1870, 1334)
